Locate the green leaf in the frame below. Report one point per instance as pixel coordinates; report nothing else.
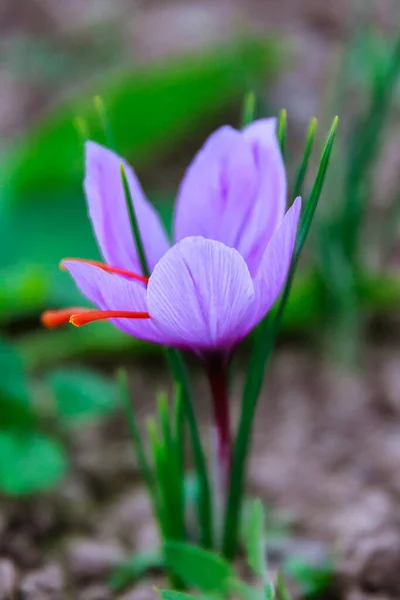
(133, 568)
(314, 580)
(81, 396)
(199, 568)
(29, 462)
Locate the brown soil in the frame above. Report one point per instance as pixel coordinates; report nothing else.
(325, 457)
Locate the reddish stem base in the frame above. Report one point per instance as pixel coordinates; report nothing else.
(217, 369)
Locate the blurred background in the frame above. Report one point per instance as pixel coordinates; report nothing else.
(326, 453)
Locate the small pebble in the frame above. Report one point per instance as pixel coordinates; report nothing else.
(8, 580)
(142, 591)
(44, 584)
(95, 592)
(89, 560)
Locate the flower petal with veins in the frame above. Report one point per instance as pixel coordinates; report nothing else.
(201, 295)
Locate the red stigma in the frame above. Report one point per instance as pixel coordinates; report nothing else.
(83, 318)
(56, 318)
(79, 316)
(107, 269)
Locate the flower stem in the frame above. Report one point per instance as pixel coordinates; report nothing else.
(217, 371)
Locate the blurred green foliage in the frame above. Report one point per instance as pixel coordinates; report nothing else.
(81, 396)
(345, 242)
(30, 460)
(33, 414)
(151, 110)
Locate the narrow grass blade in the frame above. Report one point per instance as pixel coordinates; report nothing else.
(312, 202)
(169, 472)
(179, 442)
(301, 173)
(179, 430)
(105, 122)
(158, 450)
(263, 344)
(144, 467)
(281, 591)
(269, 591)
(204, 507)
(363, 147)
(282, 127)
(164, 418)
(249, 109)
(134, 224)
(81, 127)
(255, 542)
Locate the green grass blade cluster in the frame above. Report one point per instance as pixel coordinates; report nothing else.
(282, 131)
(178, 370)
(262, 347)
(134, 429)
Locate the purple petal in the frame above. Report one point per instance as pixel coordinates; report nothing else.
(218, 190)
(109, 213)
(275, 263)
(270, 204)
(235, 190)
(201, 295)
(112, 292)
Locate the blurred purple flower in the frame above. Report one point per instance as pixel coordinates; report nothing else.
(232, 252)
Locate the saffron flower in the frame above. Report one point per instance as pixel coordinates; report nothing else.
(233, 245)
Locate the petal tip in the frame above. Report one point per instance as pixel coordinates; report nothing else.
(297, 204)
(92, 147)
